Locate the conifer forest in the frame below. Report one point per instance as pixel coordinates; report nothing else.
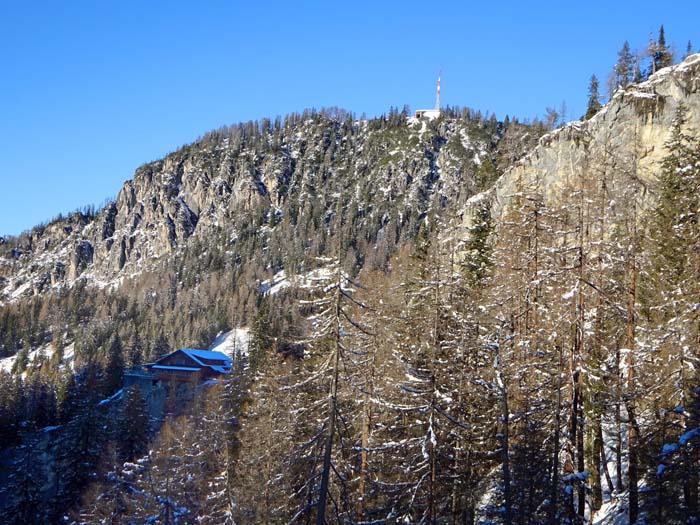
(455, 319)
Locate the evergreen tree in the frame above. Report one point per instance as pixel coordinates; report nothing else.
(24, 487)
(161, 348)
(593, 98)
(660, 53)
(135, 351)
(132, 425)
(261, 341)
(82, 440)
(623, 71)
(114, 369)
(10, 409)
(478, 249)
(673, 295)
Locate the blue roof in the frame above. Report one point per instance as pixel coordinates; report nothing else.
(170, 367)
(218, 361)
(207, 354)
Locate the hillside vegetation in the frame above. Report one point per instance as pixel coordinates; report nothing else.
(480, 323)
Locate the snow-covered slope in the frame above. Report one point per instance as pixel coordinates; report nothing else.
(232, 342)
(41, 354)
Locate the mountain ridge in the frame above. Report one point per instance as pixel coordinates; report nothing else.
(211, 185)
(637, 118)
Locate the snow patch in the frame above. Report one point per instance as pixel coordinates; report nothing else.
(21, 290)
(280, 281)
(116, 395)
(232, 342)
(47, 350)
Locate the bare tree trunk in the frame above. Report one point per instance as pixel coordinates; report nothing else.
(618, 424)
(572, 444)
(604, 460)
(505, 458)
(596, 485)
(554, 490)
(328, 447)
(366, 418)
(580, 310)
(505, 441)
(456, 463)
(598, 462)
(333, 410)
(632, 427)
(691, 420)
(433, 403)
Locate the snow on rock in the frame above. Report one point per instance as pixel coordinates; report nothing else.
(21, 290)
(478, 198)
(7, 363)
(69, 354)
(47, 350)
(275, 285)
(280, 281)
(639, 94)
(232, 342)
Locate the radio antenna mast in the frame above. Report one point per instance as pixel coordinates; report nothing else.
(437, 98)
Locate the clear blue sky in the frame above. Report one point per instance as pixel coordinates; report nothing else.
(90, 90)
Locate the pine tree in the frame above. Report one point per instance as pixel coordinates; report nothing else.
(82, 439)
(674, 294)
(593, 98)
(132, 425)
(261, 341)
(623, 70)
(22, 492)
(159, 349)
(10, 409)
(135, 351)
(660, 53)
(114, 369)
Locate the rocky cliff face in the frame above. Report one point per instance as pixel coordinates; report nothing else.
(241, 177)
(625, 141)
(250, 177)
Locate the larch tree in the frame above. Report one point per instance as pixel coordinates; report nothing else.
(329, 365)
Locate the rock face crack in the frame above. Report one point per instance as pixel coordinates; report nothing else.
(81, 258)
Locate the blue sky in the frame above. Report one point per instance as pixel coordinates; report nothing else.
(91, 90)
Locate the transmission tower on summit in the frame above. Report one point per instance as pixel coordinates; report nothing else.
(437, 98)
(431, 114)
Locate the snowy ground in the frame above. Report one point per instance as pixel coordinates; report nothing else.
(280, 281)
(614, 510)
(7, 363)
(232, 342)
